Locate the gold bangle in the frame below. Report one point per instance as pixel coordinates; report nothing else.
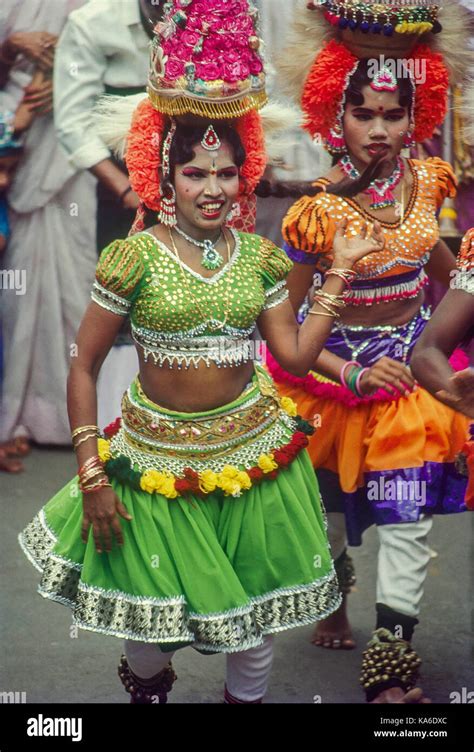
(84, 478)
(326, 307)
(81, 429)
(336, 300)
(84, 438)
(319, 313)
(347, 272)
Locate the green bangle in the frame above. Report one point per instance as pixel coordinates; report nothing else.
(352, 379)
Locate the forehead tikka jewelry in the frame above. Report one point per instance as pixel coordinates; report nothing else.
(211, 141)
(384, 80)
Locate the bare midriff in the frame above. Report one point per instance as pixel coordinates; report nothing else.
(193, 389)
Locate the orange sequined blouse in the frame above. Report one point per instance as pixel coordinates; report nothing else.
(397, 271)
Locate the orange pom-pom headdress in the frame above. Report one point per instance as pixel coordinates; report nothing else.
(324, 90)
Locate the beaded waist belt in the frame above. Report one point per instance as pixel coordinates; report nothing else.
(385, 290)
(230, 349)
(228, 448)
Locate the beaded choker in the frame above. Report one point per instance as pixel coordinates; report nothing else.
(380, 190)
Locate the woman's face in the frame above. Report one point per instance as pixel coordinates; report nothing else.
(375, 128)
(206, 187)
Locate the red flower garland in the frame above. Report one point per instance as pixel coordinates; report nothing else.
(144, 142)
(189, 482)
(327, 80)
(112, 428)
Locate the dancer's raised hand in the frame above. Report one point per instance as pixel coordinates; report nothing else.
(350, 249)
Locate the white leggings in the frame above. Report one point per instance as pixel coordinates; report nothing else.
(402, 562)
(246, 676)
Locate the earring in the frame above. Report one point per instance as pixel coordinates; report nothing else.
(234, 212)
(167, 213)
(336, 142)
(408, 141)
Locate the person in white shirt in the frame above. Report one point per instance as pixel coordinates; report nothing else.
(104, 49)
(51, 249)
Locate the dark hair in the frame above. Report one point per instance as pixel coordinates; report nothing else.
(346, 187)
(189, 136)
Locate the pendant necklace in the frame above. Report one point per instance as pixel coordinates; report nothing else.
(211, 258)
(379, 190)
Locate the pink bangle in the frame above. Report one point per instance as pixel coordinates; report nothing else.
(358, 380)
(336, 273)
(343, 371)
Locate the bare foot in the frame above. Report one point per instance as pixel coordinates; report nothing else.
(9, 465)
(398, 696)
(335, 632)
(18, 447)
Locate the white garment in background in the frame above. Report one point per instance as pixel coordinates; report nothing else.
(52, 243)
(103, 43)
(307, 161)
(402, 563)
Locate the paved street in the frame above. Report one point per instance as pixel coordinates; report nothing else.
(40, 657)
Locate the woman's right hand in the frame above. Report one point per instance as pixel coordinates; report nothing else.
(101, 510)
(390, 375)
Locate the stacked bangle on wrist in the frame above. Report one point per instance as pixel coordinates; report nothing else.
(92, 475)
(342, 375)
(329, 302)
(353, 380)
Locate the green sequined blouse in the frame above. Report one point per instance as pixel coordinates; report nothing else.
(141, 277)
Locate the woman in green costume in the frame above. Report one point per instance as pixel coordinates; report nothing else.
(197, 521)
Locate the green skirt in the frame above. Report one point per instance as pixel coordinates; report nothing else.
(216, 568)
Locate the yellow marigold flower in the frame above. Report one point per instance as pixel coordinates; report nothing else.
(289, 406)
(103, 449)
(267, 463)
(207, 481)
(151, 481)
(244, 480)
(230, 472)
(167, 487)
(230, 487)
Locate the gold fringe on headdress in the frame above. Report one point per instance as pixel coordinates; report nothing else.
(112, 118)
(212, 109)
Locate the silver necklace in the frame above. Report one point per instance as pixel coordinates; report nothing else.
(211, 258)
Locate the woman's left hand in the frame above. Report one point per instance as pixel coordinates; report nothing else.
(461, 392)
(349, 250)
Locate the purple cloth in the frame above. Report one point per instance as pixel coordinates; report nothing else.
(397, 344)
(394, 496)
(390, 496)
(301, 257)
